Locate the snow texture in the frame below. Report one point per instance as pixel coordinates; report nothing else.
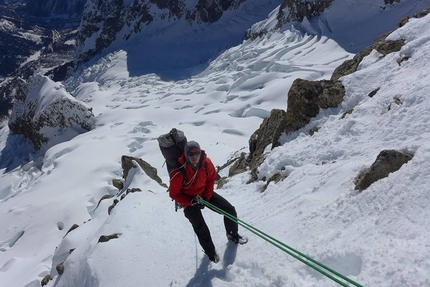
(378, 237)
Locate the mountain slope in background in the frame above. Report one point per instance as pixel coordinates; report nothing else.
(378, 237)
(35, 37)
(152, 33)
(155, 33)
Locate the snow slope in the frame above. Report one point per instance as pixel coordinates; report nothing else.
(379, 237)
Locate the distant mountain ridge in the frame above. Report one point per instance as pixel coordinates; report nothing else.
(34, 37)
(115, 22)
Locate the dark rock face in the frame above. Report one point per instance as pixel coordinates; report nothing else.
(106, 238)
(41, 117)
(13, 45)
(127, 164)
(103, 20)
(52, 8)
(268, 133)
(292, 10)
(306, 98)
(20, 40)
(380, 44)
(388, 161)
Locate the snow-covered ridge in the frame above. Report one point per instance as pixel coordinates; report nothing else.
(44, 112)
(378, 237)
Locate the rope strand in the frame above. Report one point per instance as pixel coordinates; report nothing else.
(284, 247)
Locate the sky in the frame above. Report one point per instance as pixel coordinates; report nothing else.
(377, 237)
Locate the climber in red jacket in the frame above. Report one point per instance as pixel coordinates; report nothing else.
(199, 181)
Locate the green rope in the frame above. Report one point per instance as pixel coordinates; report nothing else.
(284, 247)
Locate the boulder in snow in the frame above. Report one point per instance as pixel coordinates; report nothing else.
(387, 161)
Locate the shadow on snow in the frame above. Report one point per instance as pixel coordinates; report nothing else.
(204, 276)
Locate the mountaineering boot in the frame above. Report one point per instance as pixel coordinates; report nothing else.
(236, 238)
(213, 257)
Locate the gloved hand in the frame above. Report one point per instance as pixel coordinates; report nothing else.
(194, 202)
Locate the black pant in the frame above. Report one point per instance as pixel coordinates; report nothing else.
(194, 215)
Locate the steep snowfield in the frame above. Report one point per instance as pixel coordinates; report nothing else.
(378, 237)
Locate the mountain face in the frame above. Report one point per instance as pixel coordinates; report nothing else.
(54, 8)
(32, 44)
(161, 28)
(53, 13)
(143, 23)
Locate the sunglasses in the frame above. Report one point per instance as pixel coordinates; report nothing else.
(194, 153)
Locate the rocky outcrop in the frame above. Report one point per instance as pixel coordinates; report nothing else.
(46, 280)
(380, 44)
(306, 98)
(44, 110)
(127, 164)
(106, 238)
(52, 48)
(267, 134)
(388, 161)
(211, 11)
(292, 10)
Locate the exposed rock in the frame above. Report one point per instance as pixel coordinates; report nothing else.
(106, 238)
(268, 133)
(314, 130)
(387, 161)
(127, 164)
(46, 280)
(391, 2)
(74, 226)
(293, 10)
(104, 20)
(373, 93)
(130, 190)
(60, 268)
(422, 13)
(402, 22)
(23, 56)
(239, 166)
(114, 203)
(44, 110)
(211, 11)
(221, 182)
(348, 112)
(118, 183)
(305, 99)
(277, 177)
(380, 44)
(107, 196)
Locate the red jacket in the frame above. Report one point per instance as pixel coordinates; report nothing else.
(199, 182)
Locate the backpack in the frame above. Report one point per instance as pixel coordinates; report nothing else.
(172, 146)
